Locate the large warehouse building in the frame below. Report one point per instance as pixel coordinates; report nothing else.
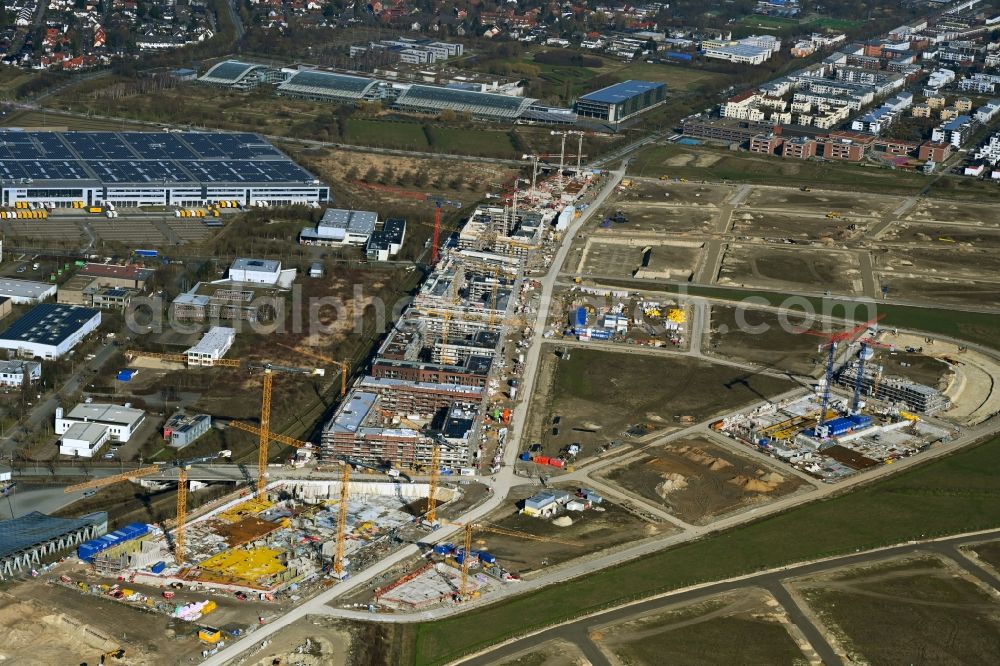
(27, 541)
(621, 101)
(150, 168)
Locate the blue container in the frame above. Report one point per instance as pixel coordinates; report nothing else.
(146, 253)
(524, 456)
(600, 333)
(158, 567)
(686, 57)
(488, 558)
(443, 548)
(581, 316)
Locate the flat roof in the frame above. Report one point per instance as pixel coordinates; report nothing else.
(49, 323)
(261, 265)
(65, 159)
(129, 272)
(87, 432)
(36, 528)
(354, 412)
(213, 342)
(351, 221)
(24, 288)
(103, 412)
(619, 92)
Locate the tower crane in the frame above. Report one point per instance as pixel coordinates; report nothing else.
(182, 481)
(864, 354)
(832, 340)
(469, 528)
(345, 367)
(435, 476)
(339, 567)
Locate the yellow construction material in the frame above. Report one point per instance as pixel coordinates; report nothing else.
(209, 607)
(247, 566)
(209, 635)
(909, 417)
(677, 316)
(250, 507)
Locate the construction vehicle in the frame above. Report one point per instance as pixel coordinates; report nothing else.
(182, 469)
(118, 653)
(832, 215)
(805, 188)
(469, 528)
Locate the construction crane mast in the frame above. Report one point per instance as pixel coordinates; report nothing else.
(469, 528)
(435, 476)
(864, 354)
(345, 367)
(832, 341)
(182, 469)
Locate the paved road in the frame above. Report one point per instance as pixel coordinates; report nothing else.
(505, 480)
(771, 580)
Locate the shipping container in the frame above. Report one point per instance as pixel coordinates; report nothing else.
(146, 253)
(557, 462)
(444, 549)
(540, 460)
(488, 558)
(95, 209)
(158, 567)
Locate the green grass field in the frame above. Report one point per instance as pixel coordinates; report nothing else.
(460, 141)
(953, 495)
(380, 133)
(677, 77)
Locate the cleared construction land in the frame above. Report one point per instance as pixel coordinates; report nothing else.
(924, 610)
(765, 338)
(598, 396)
(988, 552)
(769, 267)
(698, 480)
(591, 531)
(742, 627)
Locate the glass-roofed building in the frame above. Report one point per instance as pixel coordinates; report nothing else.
(621, 101)
(240, 75)
(328, 86)
(433, 99)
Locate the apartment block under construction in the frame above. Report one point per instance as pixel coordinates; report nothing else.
(504, 230)
(916, 397)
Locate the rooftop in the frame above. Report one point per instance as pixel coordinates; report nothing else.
(49, 323)
(163, 158)
(87, 432)
(35, 528)
(216, 339)
(328, 84)
(433, 98)
(24, 288)
(260, 265)
(229, 71)
(129, 272)
(620, 92)
(354, 412)
(102, 412)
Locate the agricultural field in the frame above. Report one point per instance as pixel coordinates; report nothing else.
(771, 267)
(599, 395)
(924, 611)
(745, 627)
(698, 480)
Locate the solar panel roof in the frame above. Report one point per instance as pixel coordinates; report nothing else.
(230, 71)
(478, 103)
(34, 528)
(620, 92)
(48, 323)
(328, 83)
(144, 157)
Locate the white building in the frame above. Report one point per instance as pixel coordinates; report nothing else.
(12, 373)
(22, 292)
(339, 226)
(120, 421)
(83, 440)
(255, 271)
(49, 330)
(752, 50)
(212, 346)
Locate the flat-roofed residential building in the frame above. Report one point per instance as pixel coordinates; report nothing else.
(212, 346)
(183, 429)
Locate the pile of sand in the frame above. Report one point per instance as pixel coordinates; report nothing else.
(671, 482)
(753, 485)
(33, 635)
(698, 456)
(562, 521)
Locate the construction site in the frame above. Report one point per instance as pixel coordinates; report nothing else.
(606, 315)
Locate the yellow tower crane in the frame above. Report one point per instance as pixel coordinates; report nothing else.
(469, 528)
(435, 477)
(345, 367)
(182, 469)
